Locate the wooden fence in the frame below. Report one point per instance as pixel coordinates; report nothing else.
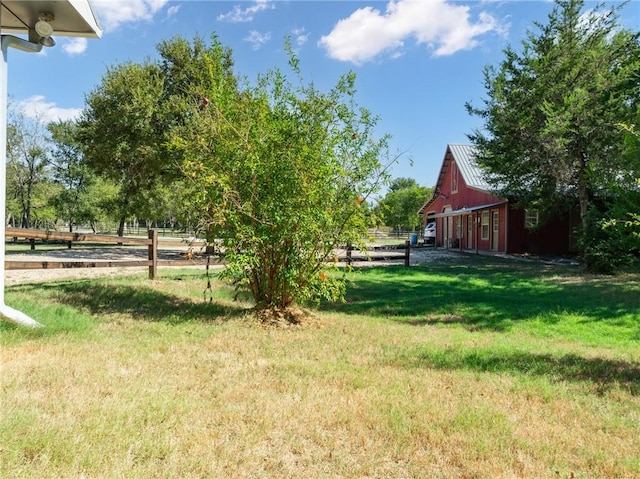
(152, 261)
(381, 253)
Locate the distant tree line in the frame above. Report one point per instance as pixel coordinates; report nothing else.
(398, 208)
(51, 185)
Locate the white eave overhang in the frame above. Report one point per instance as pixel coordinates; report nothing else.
(464, 211)
(72, 18)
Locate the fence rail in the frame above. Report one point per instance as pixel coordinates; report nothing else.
(151, 242)
(75, 237)
(391, 252)
(152, 262)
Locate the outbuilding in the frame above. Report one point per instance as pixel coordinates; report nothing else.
(469, 215)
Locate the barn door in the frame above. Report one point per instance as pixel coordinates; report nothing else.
(495, 230)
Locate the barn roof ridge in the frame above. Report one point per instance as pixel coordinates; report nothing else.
(464, 156)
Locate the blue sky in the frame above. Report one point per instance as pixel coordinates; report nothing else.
(417, 61)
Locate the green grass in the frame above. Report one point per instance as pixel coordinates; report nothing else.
(503, 296)
(73, 306)
(478, 368)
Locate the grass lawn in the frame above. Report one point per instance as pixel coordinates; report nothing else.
(478, 368)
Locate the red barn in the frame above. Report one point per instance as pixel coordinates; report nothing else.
(469, 216)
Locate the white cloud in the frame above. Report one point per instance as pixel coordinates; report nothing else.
(444, 27)
(173, 10)
(75, 46)
(593, 20)
(239, 14)
(257, 39)
(38, 109)
(300, 36)
(113, 13)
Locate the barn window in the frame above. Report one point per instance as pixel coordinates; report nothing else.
(531, 219)
(458, 227)
(454, 178)
(485, 225)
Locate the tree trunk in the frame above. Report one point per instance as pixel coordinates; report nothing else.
(27, 210)
(583, 191)
(583, 198)
(121, 226)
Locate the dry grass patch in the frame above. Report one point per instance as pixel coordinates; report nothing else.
(159, 383)
(236, 400)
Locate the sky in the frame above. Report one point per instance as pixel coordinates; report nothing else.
(417, 62)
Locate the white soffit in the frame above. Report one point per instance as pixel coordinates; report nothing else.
(72, 18)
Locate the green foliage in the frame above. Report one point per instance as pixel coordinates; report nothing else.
(126, 105)
(75, 198)
(550, 134)
(614, 242)
(27, 168)
(398, 184)
(278, 173)
(399, 207)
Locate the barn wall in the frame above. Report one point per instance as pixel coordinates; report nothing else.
(554, 237)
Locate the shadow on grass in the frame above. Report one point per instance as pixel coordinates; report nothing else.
(136, 301)
(604, 374)
(489, 296)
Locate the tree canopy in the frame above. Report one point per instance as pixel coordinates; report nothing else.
(278, 172)
(399, 207)
(121, 131)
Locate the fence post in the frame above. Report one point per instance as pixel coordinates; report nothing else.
(153, 254)
(407, 249)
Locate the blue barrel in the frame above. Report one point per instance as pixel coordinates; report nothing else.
(414, 240)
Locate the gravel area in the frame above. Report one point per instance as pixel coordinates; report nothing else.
(26, 276)
(14, 277)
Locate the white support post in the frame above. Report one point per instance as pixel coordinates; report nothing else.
(75, 18)
(8, 314)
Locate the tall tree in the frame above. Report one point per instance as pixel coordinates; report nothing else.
(121, 133)
(279, 173)
(399, 207)
(27, 164)
(550, 136)
(69, 170)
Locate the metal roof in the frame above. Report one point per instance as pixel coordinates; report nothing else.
(464, 156)
(73, 18)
